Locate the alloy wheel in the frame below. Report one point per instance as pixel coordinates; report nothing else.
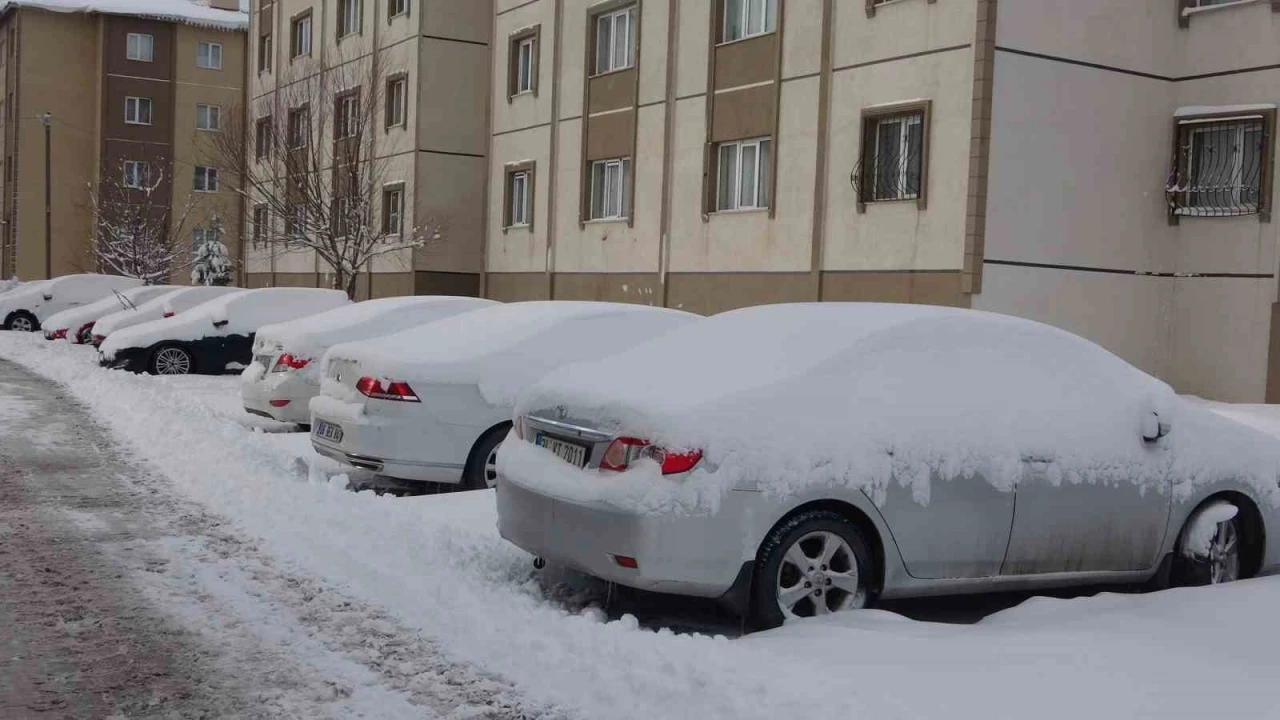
(173, 361)
(818, 576)
(491, 469)
(1224, 554)
(22, 323)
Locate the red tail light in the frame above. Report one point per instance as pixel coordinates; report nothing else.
(626, 450)
(60, 334)
(168, 313)
(288, 362)
(370, 387)
(97, 340)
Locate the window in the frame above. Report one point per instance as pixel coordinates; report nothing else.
(895, 155)
(296, 222)
(393, 209)
(264, 53)
(397, 7)
(608, 190)
(346, 116)
(1222, 166)
(262, 138)
(523, 70)
(137, 174)
(137, 111)
(748, 18)
(200, 236)
(209, 55)
(300, 35)
(742, 174)
(348, 17)
(208, 117)
(140, 47)
(261, 220)
(206, 179)
(396, 92)
(615, 40)
(298, 130)
(518, 204)
(342, 210)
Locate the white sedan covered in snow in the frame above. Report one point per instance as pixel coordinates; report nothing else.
(798, 460)
(285, 372)
(25, 308)
(433, 403)
(175, 302)
(76, 324)
(214, 337)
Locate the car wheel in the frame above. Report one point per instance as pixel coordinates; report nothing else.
(482, 467)
(171, 360)
(1221, 564)
(816, 563)
(22, 321)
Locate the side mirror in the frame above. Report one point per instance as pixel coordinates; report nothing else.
(220, 323)
(48, 296)
(1154, 428)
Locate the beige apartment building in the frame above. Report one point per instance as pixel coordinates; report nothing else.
(427, 64)
(126, 96)
(1102, 166)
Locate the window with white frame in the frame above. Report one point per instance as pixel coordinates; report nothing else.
(140, 47)
(346, 116)
(343, 207)
(200, 236)
(526, 58)
(615, 40)
(397, 7)
(300, 35)
(137, 110)
(742, 174)
(296, 222)
(261, 227)
(896, 156)
(348, 17)
(209, 55)
(397, 91)
(393, 209)
(264, 53)
(519, 197)
(137, 174)
(262, 137)
(206, 179)
(208, 117)
(608, 190)
(748, 18)
(298, 128)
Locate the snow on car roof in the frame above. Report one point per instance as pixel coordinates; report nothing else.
(72, 318)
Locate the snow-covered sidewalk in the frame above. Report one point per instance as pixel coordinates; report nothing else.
(436, 566)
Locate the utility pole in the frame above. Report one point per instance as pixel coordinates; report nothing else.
(45, 119)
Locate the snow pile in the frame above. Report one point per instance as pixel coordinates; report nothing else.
(126, 301)
(1200, 534)
(785, 397)
(191, 12)
(310, 337)
(437, 565)
(237, 313)
(504, 348)
(176, 301)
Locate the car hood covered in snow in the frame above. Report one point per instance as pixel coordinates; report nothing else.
(177, 299)
(30, 296)
(237, 313)
(75, 317)
(504, 348)
(786, 396)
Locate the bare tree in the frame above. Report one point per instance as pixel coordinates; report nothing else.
(307, 157)
(137, 232)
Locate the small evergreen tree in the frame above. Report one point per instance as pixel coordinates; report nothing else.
(212, 263)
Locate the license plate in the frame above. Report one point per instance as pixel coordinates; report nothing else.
(264, 360)
(327, 431)
(571, 453)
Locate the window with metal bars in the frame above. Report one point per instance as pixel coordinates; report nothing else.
(1221, 166)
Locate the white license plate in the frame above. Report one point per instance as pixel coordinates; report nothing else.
(327, 431)
(264, 360)
(571, 453)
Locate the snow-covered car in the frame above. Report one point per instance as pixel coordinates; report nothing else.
(76, 324)
(798, 460)
(27, 307)
(433, 403)
(214, 337)
(175, 302)
(285, 372)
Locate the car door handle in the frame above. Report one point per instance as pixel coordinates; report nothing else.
(1040, 459)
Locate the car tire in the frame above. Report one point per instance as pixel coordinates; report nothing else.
(22, 321)
(1223, 563)
(171, 359)
(843, 583)
(481, 472)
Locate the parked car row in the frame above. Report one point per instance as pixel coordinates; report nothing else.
(788, 460)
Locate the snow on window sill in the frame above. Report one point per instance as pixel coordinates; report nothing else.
(739, 211)
(605, 221)
(1188, 12)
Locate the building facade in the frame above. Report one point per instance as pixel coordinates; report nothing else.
(427, 63)
(1105, 167)
(130, 101)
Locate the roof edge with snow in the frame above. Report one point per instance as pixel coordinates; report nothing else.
(187, 12)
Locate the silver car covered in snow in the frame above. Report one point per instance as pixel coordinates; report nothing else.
(797, 460)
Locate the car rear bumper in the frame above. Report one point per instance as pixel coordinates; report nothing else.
(685, 555)
(292, 393)
(400, 469)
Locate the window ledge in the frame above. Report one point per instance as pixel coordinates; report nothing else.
(522, 226)
(1213, 214)
(1188, 12)
(745, 38)
(607, 221)
(614, 71)
(739, 211)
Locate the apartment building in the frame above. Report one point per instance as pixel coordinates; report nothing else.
(425, 65)
(1102, 166)
(130, 99)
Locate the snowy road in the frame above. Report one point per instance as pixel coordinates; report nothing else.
(119, 599)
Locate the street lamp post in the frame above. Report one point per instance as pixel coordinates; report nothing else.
(45, 119)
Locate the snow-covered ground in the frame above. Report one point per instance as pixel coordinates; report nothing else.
(436, 564)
